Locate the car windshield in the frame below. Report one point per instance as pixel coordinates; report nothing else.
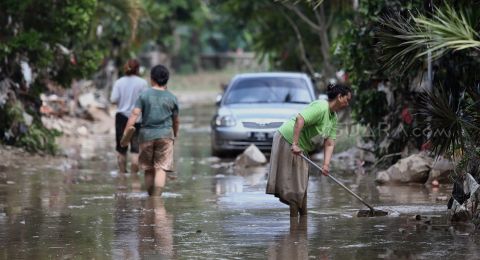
(268, 90)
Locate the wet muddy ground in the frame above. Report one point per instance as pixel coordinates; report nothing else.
(82, 208)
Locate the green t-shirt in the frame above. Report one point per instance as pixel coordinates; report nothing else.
(320, 123)
(158, 108)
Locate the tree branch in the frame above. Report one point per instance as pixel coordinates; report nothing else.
(302, 16)
(300, 43)
(324, 42)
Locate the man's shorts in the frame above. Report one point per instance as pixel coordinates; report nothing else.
(156, 154)
(120, 124)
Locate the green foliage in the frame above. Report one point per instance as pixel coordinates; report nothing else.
(51, 37)
(448, 113)
(38, 138)
(280, 36)
(49, 40)
(372, 107)
(450, 123)
(447, 30)
(181, 29)
(358, 52)
(34, 138)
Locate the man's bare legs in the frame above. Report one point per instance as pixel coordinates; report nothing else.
(136, 186)
(160, 179)
(134, 163)
(149, 181)
(155, 181)
(122, 162)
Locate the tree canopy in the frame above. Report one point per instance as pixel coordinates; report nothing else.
(45, 43)
(382, 45)
(41, 42)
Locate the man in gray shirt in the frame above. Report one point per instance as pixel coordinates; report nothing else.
(124, 93)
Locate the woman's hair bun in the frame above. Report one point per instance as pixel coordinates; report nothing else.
(131, 67)
(333, 90)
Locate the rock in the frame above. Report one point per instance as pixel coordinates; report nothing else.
(349, 160)
(442, 198)
(82, 130)
(98, 114)
(252, 156)
(414, 168)
(86, 100)
(364, 152)
(345, 160)
(441, 170)
(28, 119)
(104, 126)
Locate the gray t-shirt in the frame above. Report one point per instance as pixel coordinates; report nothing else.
(158, 108)
(126, 91)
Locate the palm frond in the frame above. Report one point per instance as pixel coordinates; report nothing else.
(406, 39)
(395, 46)
(450, 121)
(313, 3)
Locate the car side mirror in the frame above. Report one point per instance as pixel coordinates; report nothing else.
(218, 99)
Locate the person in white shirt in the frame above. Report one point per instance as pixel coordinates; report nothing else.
(124, 94)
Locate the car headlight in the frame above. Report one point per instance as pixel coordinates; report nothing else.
(225, 121)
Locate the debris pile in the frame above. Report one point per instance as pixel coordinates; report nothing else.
(80, 111)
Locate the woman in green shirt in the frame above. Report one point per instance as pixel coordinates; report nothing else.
(288, 174)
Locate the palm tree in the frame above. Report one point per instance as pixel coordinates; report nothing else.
(451, 109)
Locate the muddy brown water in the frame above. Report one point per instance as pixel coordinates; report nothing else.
(84, 209)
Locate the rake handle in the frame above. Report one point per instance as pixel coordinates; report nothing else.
(337, 181)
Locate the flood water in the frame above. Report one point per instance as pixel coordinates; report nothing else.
(84, 209)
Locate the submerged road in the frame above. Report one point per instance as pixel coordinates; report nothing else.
(212, 211)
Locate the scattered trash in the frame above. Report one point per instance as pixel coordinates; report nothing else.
(465, 196)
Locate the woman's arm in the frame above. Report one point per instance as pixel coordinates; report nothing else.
(328, 146)
(297, 128)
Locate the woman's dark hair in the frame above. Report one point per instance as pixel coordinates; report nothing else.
(333, 90)
(131, 67)
(159, 74)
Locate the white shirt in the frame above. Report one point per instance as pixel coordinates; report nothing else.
(126, 91)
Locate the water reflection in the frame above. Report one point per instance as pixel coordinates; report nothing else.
(228, 184)
(252, 175)
(126, 181)
(54, 210)
(294, 244)
(406, 194)
(156, 229)
(245, 176)
(125, 242)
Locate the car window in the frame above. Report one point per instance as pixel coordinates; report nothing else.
(268, 90)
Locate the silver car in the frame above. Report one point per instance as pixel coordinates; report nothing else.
(254, 105)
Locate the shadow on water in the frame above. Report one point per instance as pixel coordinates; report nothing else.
(85, 209)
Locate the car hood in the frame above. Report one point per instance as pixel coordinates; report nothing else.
(262, 112)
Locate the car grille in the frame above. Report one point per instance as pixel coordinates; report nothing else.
(255, 125)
